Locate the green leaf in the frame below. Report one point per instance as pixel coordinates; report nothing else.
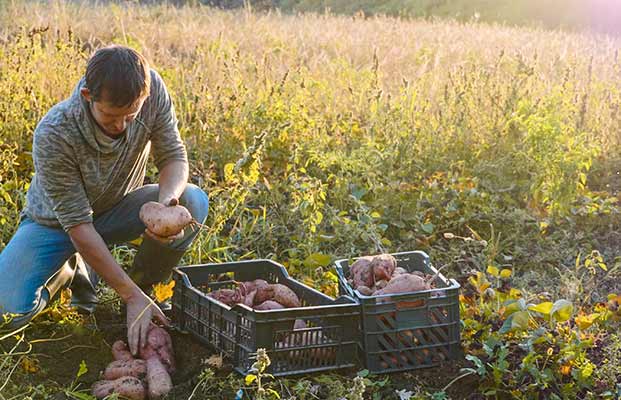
(479, 364)
(273, 393)
(520, 320)
(83, 369)
(506, 326)
(358, 192)
(80, 395)
(514, 305)
(542, 308)
(562, 310)
(587, 370)
(428, 228)
(317, 260)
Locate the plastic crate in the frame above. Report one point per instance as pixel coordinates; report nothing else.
(407, 331)
(328, 343)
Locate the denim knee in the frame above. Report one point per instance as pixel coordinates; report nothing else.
(196, 201)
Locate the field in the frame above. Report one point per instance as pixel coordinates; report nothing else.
(598, 15)
(318, 137)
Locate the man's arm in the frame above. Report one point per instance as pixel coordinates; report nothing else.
(173, 179)
(140, 309)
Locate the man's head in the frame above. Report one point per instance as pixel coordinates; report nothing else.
(117, 83)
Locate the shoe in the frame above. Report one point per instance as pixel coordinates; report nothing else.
(83, 292)
(154, 263)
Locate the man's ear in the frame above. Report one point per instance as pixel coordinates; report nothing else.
(86, 94)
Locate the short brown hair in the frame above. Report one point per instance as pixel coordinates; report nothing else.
(119, 75)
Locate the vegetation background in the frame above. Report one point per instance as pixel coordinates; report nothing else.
(321, 136)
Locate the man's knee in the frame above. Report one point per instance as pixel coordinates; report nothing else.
(14, 316)
(196, 201)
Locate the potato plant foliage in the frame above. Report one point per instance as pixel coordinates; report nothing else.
(319, 137)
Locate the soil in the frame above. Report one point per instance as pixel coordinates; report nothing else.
(59, 348)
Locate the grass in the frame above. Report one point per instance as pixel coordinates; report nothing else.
(599, 15)
(320, 137)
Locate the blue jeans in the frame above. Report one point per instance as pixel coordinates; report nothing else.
(36, 253)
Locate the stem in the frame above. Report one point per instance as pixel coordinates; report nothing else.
(434, 276)
(196, 388)
(51, 340)
(11, 373)
(13, 333)
(456, 379)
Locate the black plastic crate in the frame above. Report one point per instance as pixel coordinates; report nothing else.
(328, 343)
(407, 331)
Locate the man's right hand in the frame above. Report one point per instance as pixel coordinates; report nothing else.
(140, 311)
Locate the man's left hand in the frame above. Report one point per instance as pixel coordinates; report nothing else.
(164, 240)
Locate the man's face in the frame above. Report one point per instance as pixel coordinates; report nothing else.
(111, 119)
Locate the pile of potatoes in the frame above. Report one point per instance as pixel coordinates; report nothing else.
(146, 377)
(259, 295)
(378, 275)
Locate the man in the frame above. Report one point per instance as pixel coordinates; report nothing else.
(90, 154)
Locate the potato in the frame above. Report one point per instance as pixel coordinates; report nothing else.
(403, 284)
(230, 297)
(400, 271)
(365, 290)
(120, 352)
(164, 220)
(159, 344)
(285, 296)
(361, 272)
(383, 266)
(269, 305)
(158, 379)
(127, 386)
(253, 285)
(278, 293)
(120, 368)
(299, 324)
(249, 298)
(379, 285)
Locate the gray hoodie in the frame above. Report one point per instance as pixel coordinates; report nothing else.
(80, 172)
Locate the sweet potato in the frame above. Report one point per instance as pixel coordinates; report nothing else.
(403, 284)
(119, 368)
(361, 272)
(159, 344)
(164, 220)
(158, 379)
(399, 271)
(379, 285)
(278, 293)
(299, 324)
(253, 285)
(229, 297)
(249, 298)
(365, 290)
(127, 386)
(383, 266)
(269, 305)
(120, 352)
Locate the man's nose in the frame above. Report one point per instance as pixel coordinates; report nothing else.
(120, 125)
